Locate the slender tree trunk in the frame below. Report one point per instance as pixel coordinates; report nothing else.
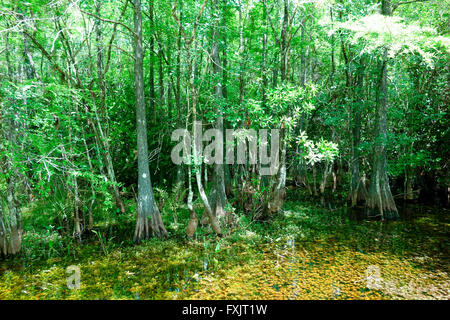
(3, 233)
(10, 227)
(278, 190)
(408, 184)
(7, 55)
(326, 174)
(10, 223)
(192, 96)
(314, 180)
(148, 221)
(180, 168)
(227, 173)
(303, 59)
(152, 68)
(193, 220)
(264, 62)
(283, 41)
(219, 175)
(161, 75)
(98, 41)
(197, 151)
(241, 55)
(30, 68)
(333, 64)
(358, 188)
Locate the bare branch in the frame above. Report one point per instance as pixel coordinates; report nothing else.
(174, 15)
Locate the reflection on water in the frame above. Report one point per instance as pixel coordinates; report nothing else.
(419, 224)
(407, 211)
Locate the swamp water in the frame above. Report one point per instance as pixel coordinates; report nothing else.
(304, 253)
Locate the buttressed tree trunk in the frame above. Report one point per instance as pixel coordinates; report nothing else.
(148, 222)
(380, 201)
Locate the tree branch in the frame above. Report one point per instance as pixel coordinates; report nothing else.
(62, 74)
(109, 20)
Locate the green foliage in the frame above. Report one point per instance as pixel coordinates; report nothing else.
(68, 141)
(382, 31)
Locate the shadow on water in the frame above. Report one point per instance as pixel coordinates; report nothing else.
(408, 212)
(422, 230)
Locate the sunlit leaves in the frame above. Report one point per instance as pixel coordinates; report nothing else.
(315, 152)
(382, 31)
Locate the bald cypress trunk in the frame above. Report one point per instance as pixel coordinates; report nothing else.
(148, 222)
(380, 201)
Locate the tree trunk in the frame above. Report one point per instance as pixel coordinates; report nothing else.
(283, 42)
(326, 174)
(358, 192)
(241, 56)
(278, 190)
(380, 201)
(149, 221)
(161, 75)
(180, 168)
(152, 68)
(303, 59)
(264, 60)
(196, 146)
(15, 217)
(219, 175)
(10, 223)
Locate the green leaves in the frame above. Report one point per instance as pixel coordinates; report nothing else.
(379, 31)
(315, 152)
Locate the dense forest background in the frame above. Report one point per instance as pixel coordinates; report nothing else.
(91, 91)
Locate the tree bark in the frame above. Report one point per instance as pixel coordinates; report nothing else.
(152, 68)
(380, 201)
(358, 192)
(219, 175)
(278, 191)
(283, 42)
(264, 60)
(148, 221)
